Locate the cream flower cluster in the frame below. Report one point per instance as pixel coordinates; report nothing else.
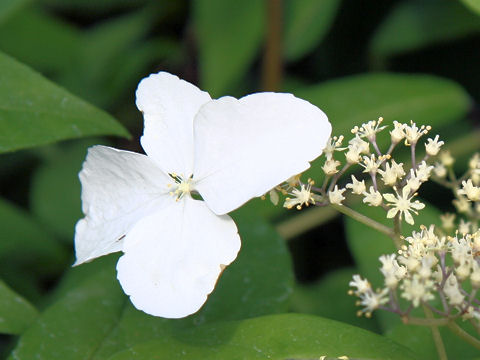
(466, 190)
(429, 266)
(385, 182)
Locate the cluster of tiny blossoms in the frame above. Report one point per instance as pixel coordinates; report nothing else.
(384, 182)
(439, 271)
(466, 191)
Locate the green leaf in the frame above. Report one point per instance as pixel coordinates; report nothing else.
(229, 36)
(52, 51)
(356, 99)
(473, 5)
(285, 336)
(55, 191)
(27, 250)
(415, 24)
(102, 55)
(8, 7)
(75, 325)
(34, 111)
(419, 339)
(306, 24)
(16, 313)
(250, 287)
(328, 298)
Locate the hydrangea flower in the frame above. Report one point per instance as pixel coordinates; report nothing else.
(227, 151)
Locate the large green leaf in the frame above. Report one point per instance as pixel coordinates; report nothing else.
(77, 324)
(474, 5)
(27, 251)
(356, 99)
(34, 111)
(55, 191)
(16, 313)
(419, 339)
(285, 336)
(8, 7)
(328, 298)
(54, 48)
(415, 24)
(229, 36)
(306, 23)
(258, 283)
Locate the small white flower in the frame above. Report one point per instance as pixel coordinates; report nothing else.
(369, 129)
(226, 150)
(448, 221)
(300, 197)
(413, 133)
(357, 187)
(462, 204)
(330, 166)
(417, 290)
(446, 158)
(359, 144)
(402, 204)
(452, 291)
(440, 170)
(392, 173)
(464, 227)
(333, 144)
(335, 196)
(370, 164)
(362, 285)
(471, 191)
(432, 147)
(372, 197)
(398, 133)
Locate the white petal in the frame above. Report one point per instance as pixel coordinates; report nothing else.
(169, 106)
(408, 217)
(118, 188)
(245, 147)
(392, 212)
(173, 258)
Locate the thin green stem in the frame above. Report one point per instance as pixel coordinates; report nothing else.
(457, 330)
(425, 322)
(366, 220)
(437, 338)
(397, 229)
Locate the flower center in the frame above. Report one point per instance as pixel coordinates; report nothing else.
(182, 186)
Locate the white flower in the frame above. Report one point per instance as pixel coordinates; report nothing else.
(392, 173)
(330, 166)
(402, 204)
(226, 150)
(369, 129)
(413, 133)
(398, 133)
(472, 192)
(440, 170)
(372, 197)
(300, 197)
(357, 187)
(432, 147)
(335, 196)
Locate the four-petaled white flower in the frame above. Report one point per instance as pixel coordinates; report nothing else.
(226, 150)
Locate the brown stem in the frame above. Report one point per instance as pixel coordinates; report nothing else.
(272, 60)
